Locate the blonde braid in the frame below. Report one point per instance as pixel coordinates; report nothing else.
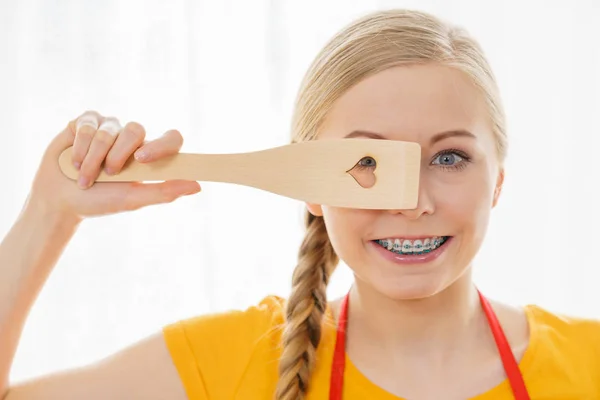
(305, 309)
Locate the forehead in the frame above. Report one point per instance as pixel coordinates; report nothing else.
(409, 103)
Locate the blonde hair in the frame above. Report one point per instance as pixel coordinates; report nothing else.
(371, 44)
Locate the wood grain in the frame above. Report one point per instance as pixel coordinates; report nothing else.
(315, 171)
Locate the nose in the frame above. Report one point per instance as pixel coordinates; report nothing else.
(425, 205)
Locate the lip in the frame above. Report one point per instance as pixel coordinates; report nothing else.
(411, 259)
(409, 237)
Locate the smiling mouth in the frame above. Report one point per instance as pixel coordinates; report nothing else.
(413, 247)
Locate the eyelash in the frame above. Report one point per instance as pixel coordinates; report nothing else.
(458, 167)
(361, 167)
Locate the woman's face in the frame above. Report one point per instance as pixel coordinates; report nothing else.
(459, 183)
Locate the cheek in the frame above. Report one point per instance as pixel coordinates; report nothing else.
(346, 228)
(465, 201)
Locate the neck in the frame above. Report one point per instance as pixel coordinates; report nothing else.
(437, 328)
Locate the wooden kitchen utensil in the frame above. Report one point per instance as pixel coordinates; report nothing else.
(354, 173)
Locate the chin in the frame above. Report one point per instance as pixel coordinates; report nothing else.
(409, 288)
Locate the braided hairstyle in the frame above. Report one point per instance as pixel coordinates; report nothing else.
(305, 309)
(368, 45)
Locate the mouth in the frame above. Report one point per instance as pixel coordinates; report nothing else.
(413, 247)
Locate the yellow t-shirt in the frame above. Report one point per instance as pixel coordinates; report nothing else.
(234, 355)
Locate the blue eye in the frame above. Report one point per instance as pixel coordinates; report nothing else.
(451, 159)
(448, 159)
(367, 162)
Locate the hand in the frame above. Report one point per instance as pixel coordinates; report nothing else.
(100, 142)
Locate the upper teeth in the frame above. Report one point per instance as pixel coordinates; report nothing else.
(412, 246)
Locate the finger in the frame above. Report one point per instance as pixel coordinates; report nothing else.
(168, 144)
(85, 130)
(131, 137)
(65, 138)
(145, 194)
(101, 143)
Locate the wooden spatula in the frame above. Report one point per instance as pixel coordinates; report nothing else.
(354, 173)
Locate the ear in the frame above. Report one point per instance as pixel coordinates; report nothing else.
(498, 189)
(315, 209)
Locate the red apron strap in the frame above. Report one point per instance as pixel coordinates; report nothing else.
(508, 360)
(339, 354)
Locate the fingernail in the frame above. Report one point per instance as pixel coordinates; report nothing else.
(77, 165)
(83, 182)
(108, 171)
(141, 155)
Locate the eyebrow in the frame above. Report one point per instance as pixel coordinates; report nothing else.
(436, 138)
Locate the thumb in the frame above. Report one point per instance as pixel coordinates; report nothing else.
(145, 194)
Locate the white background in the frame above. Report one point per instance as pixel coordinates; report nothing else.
(225, 74)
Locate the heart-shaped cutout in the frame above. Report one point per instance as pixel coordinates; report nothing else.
(363, 172)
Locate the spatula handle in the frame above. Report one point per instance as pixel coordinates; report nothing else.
(230, 168)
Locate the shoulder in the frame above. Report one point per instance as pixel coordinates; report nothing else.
(236, 327)
(534, 323)
(558, 354)
(269, 311)
(563, 328)
(562, 342)
(534, 331)
(212, 352)
(564, 351)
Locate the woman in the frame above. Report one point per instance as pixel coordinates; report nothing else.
(413, 325)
